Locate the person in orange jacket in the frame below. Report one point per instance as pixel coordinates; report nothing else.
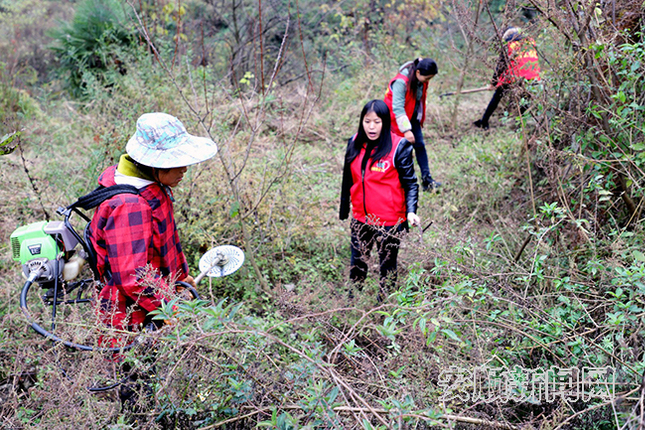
(518, 63)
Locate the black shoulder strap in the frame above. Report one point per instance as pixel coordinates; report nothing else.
(101, 194)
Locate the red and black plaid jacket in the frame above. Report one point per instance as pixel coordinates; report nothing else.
(130, 232)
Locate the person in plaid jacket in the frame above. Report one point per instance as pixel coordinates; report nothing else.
(135, 238)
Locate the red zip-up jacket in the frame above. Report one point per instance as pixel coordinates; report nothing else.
(385, 191)
(410, 102)
(128, 233)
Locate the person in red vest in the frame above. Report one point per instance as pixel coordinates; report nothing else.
(380, 183)
(406, 98)
(515, 65)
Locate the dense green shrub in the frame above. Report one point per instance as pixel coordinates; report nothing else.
(92, 46)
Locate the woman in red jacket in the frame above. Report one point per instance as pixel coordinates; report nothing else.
(406, 99)
(380, 183)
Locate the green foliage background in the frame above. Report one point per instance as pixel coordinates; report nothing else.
(533, 260)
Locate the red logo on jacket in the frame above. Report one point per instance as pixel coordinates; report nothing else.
(380, 166)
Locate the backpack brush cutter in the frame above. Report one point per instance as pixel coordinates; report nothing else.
(51, 258)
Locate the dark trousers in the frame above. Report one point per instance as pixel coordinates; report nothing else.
(494, 102)
(420, 150)
(387, 241)
(518, 92)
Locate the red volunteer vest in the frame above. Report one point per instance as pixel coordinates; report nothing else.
(523, 62)
(377, 195)
(410, 101)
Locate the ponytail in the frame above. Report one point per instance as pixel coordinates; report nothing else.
(425, 66)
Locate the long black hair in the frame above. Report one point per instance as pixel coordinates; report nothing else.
(425, 66)
(383, 145)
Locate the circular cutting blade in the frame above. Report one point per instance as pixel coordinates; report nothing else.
(232, 255)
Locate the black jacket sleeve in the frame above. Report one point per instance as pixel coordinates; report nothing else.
(346, 186)
(500, 68)
(405, 167)
(504, 61)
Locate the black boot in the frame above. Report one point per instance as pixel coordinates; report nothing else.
(492, 105)
(136, 392)
(481, 124)
(429, 184)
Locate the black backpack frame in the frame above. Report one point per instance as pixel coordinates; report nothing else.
(87, 202)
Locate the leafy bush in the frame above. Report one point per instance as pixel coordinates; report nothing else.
(93, 44)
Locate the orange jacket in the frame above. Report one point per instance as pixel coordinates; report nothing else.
(522, 62)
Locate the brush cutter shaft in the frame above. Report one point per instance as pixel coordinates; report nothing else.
(473, 90)
(218, 260)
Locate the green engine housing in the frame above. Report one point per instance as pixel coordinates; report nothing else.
(31, 241)
(36, 247)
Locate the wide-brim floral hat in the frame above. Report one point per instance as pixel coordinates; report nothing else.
(161, 141)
